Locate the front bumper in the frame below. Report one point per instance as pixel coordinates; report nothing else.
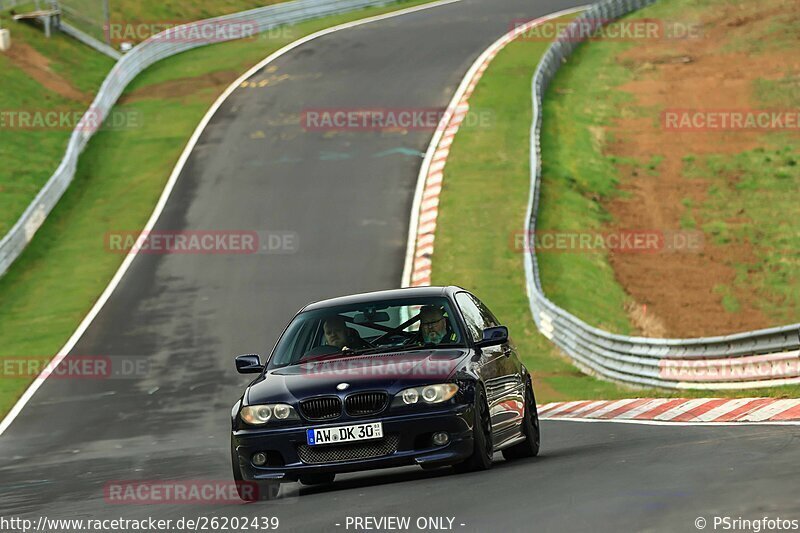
(412, 431)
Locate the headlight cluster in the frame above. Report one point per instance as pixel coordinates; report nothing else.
(258, 415)
(428, 394)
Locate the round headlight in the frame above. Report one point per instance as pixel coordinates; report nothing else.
(281, 411)
(410, 396)
(256, 414)
(430, 394)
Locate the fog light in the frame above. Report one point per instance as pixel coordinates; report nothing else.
(259, 459)
(440, 438)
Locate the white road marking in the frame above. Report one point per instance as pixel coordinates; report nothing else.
(98, 306)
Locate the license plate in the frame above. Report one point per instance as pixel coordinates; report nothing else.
(344, 434)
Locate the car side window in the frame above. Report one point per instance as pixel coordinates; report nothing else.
(489, 320)
(472, 315)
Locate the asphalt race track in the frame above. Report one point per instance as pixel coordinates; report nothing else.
(345, 198)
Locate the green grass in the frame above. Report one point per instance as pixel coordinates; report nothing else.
(754, 202)
(28, 156)
(578, 175)
(488, 177)
(88, 15)
(729, 301)
(120, 176)
(781, 93)
(779, 33)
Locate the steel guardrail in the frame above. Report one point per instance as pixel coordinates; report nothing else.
(124, 71)
(763, 358)
(88, 40)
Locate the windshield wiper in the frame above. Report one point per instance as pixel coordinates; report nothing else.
(368, 351)
(429, 346)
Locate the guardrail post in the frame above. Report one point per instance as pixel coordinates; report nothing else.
(5, 39)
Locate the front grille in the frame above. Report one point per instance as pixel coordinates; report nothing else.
(321, 408)
(365, 403)
(333, 453)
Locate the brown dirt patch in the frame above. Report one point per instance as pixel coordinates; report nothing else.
(677, 288)
(37, 66)
(647, 324)
(182, 87)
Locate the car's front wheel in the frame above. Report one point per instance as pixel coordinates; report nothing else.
(252, 491)
(530, 428)
(483, 449)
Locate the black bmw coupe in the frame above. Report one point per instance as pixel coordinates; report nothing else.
(419, 376)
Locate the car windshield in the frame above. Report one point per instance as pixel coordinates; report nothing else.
(369, 327)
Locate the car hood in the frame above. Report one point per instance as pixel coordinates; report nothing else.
(391, 372)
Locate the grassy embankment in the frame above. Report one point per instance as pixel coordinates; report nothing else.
(120, 176)
(488, 177)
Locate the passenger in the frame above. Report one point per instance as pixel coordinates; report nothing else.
(339, 335)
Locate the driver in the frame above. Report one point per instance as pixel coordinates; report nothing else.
(434, 328)
(339, 335)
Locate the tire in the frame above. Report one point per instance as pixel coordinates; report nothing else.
(251, 491)
(483, 449)
(317, 479)
(530, 428)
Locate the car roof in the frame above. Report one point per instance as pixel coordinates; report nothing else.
(377, 296)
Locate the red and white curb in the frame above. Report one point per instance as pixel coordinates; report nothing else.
(677, 410)
(421, 235)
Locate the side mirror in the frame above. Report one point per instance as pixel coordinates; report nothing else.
(249, 364)
(493, 337)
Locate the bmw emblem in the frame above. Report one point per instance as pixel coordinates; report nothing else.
(342, 386)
